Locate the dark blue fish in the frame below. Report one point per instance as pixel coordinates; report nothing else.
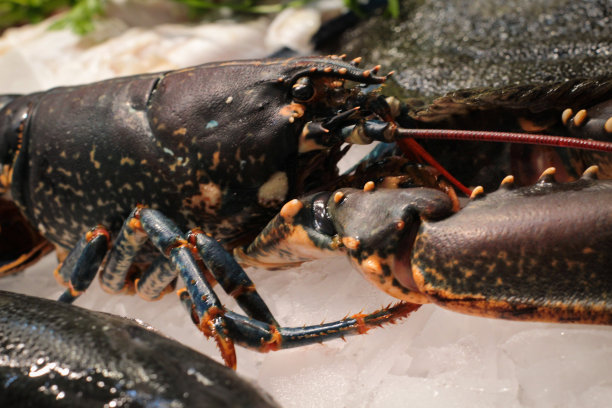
(58, 355)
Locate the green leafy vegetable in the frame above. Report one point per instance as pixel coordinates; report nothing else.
(81, 16)
(83, 13)
(244, 6)
(15, 12)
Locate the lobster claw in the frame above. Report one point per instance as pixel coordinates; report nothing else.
(326, 223)
(379, 247)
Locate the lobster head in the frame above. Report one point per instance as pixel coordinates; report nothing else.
(269, 112)
(326, 98)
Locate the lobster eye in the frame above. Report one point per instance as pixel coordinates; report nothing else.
(303, 90)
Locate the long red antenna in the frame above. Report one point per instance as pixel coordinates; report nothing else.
(414, 147)
(507, 137)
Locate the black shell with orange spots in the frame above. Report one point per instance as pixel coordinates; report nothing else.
(511, 254)
(214, 146)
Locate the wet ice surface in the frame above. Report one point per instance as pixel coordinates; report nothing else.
(435, 358)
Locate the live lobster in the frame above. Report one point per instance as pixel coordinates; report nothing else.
(220, 150)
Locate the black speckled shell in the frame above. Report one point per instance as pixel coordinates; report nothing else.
(535, 253)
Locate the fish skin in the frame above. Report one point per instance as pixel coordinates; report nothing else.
(59, 355)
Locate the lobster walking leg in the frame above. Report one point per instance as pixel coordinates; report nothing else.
(128, 243)
(80, 266)
(169, 240)
(231, 277)
(263, 337)
(258, 330)
(157, 280)
(262, 333)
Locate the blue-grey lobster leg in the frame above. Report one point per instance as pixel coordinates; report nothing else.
(259, 330)
(232, 278)
(263, 337)
(143, 224)
(263, 334)
(167, 237)
(80, 266)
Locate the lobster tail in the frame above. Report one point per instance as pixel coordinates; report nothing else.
(20, 244)
(12, 115)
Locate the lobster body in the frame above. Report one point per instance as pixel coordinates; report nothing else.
(223, 157)
(117, 171)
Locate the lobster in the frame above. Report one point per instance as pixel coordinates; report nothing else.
(137, 161)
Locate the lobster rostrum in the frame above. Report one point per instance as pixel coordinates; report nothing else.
(115, 172)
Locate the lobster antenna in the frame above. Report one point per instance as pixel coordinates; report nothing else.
(506, 137)
(412, 145)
